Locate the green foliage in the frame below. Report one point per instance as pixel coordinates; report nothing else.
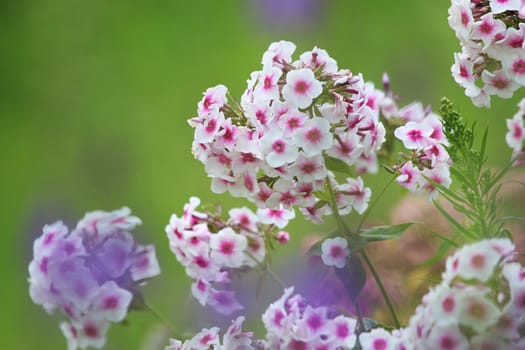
(477, 187)
(382, 233)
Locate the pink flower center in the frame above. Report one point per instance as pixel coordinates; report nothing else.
(448, 304)
(463, 72)
(111, 302)
(336, 251)
(477, 261)
(313, 135)
(279, 146)
(519, 67)
(308, 168)
(517, 132)
(415, 135)
(379, 344)
(227, 247)
(486, 27)
(301, 87)
(464, 18)
(447, 343)
(91, 331)
(342, 331)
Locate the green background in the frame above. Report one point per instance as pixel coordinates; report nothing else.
(94, 98)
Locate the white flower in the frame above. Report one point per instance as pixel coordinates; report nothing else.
(335, 252)
(227, 248)
(314, 136)
(301, 87)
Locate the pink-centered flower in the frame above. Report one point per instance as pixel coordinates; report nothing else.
(314, 136)
(301, 87)
(227, 248)
(335, 252)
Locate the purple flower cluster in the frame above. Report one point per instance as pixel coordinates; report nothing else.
(210, 248)
(290, 323)
(90, 274)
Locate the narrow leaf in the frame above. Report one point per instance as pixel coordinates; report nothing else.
(337, 165)
(381, 233)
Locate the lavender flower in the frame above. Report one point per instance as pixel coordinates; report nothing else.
(90, 274)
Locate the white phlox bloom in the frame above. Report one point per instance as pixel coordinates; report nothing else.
(335, 252)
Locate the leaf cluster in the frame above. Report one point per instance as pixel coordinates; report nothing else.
(477, 187)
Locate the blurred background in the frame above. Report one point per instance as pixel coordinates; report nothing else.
(94, 98)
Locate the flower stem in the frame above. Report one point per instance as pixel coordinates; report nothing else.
(167, 323)
(371, 206)
(382, 288)
(343, 229)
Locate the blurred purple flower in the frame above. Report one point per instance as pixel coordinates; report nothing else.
(288, 13)
(90, 274)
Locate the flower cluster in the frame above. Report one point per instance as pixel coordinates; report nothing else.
(516, 131)
(290, 323)
(492, 60)
(422, 134)
(210, 247)
(274, 146)
(478, 305)
(233, 339)
(293, 324)
(90, 274)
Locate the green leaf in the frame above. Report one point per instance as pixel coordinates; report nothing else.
(382, 233)
(315, 249)
(356, 243)
(337, 165)
(322, 196)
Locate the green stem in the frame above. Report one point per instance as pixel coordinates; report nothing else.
(167, 323)
(371, 206)
(382, 288)
(343, 229)
(360, 322)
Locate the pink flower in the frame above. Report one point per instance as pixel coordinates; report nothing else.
(214, 98)
(499, 6)
(301, 87)
(278, 150)
(278, 53)
(309, 169)
(516, 132)
(278, 217)
(267, 87)
(335, 252)
(314, 136)
(414, 135)
(227, 248)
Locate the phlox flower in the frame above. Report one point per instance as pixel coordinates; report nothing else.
(414, 135)
(301, 87)
(314, 136)
(214, 98)
(499, 6)
(278, 53)
(227, 248)
(335, 252)
(278, 150)
(278, 217)
(267, 87)
(90, 274)
(516, 131)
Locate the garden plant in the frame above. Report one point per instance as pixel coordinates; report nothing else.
(298, 141)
